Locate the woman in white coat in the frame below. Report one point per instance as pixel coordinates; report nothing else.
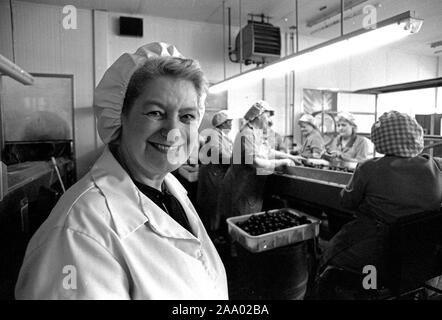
(127, 229)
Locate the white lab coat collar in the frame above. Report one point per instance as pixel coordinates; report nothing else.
(131, 209)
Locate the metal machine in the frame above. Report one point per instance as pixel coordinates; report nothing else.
(37, 143)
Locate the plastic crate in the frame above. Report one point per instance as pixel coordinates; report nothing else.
(274, 239)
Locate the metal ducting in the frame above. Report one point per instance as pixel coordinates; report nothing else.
(261, 43)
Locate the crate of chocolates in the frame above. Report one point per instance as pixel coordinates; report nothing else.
(272, 229)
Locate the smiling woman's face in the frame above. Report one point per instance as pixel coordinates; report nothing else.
(160, 128)
(306, 128)
(344, 129)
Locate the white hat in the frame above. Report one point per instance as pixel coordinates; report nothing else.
(110, 93)
(257, 109)
(308, 118)
(220, 117)
(347, 116)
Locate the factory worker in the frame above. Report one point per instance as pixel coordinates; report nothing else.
(274, 139)
(215, 156)
(127, 229)
(252, 162)
(402, 182)
(348, 146)
(313, 144)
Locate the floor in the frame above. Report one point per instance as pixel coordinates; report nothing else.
(279, 274)
(286, 273)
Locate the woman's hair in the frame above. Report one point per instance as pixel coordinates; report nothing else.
(258, 118)
(153, 68)
(352, 124)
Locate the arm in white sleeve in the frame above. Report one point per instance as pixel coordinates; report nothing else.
(71, 265)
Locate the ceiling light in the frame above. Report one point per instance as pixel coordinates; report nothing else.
(238, 81)
(356, 42)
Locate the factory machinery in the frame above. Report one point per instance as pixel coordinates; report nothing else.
(314, 188)
(37, 161)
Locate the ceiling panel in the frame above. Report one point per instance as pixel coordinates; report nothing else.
(282, 13)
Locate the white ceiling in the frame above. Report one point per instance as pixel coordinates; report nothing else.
(282, 13)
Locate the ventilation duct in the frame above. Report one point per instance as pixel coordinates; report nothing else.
(261, 43)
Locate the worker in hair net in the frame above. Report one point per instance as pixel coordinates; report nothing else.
(252, 162)
(348, 146)
(216, 157)
(402, 182)
(313, 144)
(127, 229)
(274, 139)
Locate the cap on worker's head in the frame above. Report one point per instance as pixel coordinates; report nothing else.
(308, 118)
(271, 110)
(220, 117)
(346, 116)
(257, 109)
(397, 134)
(110, 93)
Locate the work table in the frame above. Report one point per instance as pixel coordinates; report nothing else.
(312, 190)
(25, 180)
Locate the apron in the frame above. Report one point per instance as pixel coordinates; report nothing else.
(210, 178)
(242, 188)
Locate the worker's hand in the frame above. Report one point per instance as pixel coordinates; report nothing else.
(287, 163)
(335, 154)
(297, 159)
(296, 150)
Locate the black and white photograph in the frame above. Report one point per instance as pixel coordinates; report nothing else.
(221, 155)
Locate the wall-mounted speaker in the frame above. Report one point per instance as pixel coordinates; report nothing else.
(131, 26)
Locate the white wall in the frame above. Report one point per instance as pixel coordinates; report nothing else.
(42, 45)
(197, 40)
(5, 30)
(439, 90)
(380, 67)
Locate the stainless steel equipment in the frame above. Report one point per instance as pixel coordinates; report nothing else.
(37, 123)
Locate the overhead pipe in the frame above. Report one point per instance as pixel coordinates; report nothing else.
(297, 29)
(10, 69)
(342, 18)
(12, 30)
(224, 38)
(231, 51)
(293, 102)
(286, 82)
(240, 37)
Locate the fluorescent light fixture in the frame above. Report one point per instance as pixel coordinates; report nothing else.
(385, 32)
(327, 89)
(238, 80)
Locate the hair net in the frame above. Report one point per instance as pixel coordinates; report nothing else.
(257, 109)
(220, 117)
(397, 134)
(308, 118)
(347, 116)
(110, 93)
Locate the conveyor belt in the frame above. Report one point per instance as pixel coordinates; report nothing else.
(323, 176)
(319, 187)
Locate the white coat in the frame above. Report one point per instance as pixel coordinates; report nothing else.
(106, 240)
